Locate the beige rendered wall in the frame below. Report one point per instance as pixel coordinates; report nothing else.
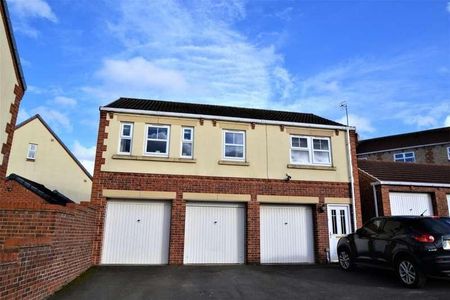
(8, 80)
(53, 166)
(267, 150)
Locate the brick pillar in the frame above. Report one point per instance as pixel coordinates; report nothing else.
(357, 195)
(177, 220)
(253, 234)
(440, 205)
(385, 209)
(321, 236)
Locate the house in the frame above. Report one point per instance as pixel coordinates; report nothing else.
(185, 183)
(389, 188)
(38, 154)
(12, 87)
(424, 147)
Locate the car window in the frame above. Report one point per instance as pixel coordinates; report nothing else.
(373, 226)
(393, 227)
(440, 226)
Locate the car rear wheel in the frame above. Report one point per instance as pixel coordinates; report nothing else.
(345, 260)
(410, 274)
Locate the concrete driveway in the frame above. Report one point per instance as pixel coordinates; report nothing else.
(244, 282)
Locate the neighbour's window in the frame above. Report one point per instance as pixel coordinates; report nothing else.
(448, 153)
(310, 150)
(32, 149)
(126, 136)
(234, 145)
(187, 140)
(157, 140)
(405, 157)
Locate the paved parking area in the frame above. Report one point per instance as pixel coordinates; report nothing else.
(244, 282)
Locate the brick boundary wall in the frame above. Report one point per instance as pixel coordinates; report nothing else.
(9, 129)
(205, 184)
(42, 246)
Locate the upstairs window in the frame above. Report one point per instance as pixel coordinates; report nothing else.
(187, 140)
(307, 150)
(157, 143)
(32, 150)
(234, 145)
(448, 153)
(126, 136)
(405, 157)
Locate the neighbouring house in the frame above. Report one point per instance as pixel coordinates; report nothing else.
(185, 183)
(424, 147)
(389, 188)
(38, 154)
(12, 87)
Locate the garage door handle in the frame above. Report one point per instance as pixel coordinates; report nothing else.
(215, 222)
(285, 223)
(138, 220)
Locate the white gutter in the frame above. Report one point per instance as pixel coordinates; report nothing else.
(446, 185)
(402, 148)
(352, 179)
(212, 117)
(375, 199)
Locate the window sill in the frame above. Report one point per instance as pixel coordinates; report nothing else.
(154, 158)
(233, 163)
(311, 167)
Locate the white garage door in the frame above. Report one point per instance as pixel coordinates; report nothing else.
(410, 204)
(136, 232)
(286, 234)
(214, 233)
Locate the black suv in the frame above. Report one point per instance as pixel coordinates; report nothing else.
(414, 247)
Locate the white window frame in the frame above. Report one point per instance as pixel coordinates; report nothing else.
(403, 155)
(30, 145)
(121, 137)
(146, 139)
(183, 141)
(448, 153)
(311, 150)
(224, 144)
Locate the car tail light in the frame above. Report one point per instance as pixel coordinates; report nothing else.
(424, 238)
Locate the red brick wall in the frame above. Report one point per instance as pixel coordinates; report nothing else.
(358, 210)
(9, 129)
(42, 246)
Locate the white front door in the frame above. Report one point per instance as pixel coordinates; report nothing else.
(214, 233)
(410, 204)
(338, 226)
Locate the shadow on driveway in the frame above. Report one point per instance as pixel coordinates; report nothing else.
(244, 282)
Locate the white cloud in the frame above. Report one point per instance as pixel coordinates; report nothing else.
(56, 119)
(190, 51)
(447, 121)
(448, 6)
(86, 155)
(363, 125)
(65, 101)
(33, 8)
(23, 115)
(26, 11)
(140, 73)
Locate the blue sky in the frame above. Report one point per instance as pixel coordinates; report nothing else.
(390, 60)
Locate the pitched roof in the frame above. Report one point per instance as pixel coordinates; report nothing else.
(53, 197)
(12, 42)
(411, 139)
(37, 116)
(406, 172)
(218, 110)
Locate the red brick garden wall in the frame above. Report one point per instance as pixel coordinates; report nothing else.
(42, 246)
